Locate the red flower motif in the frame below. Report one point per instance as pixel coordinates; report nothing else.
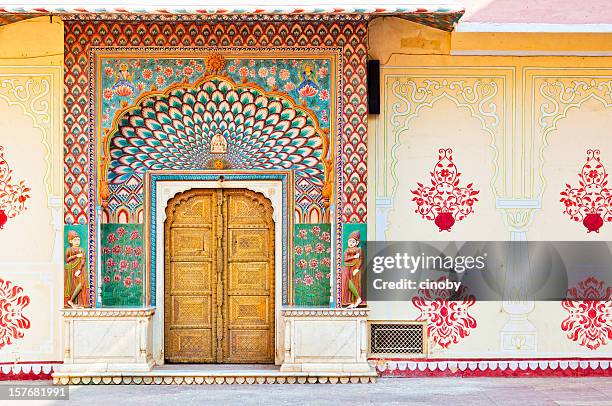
(110, 263)
(447, 321)
(289, 86)
(108, 93)
(129, 250)
(168, 72)
(590, 321)
(134, 235)
(284, 74)
(147, 74)
(12, 194)
(302, 264)
(135, 264)
(299, 250)
(324, 95)
(137, 281)
(302, 233)
(263, 72)
(121, 231)
(307, 91)
(314, 263)
(112, 238)
(308, 248)
(106, 250)
(188, 71)
(590, 202)
(444, 202)
(123, 264)
(108, 71)
(243, 72)
(117, 249)
(325, 236)
(138, 251)
(106, 279)
(308, 280)
(326, 262)
(318, 275)
(127, 282)
(123, 90)
(12, 321)
(316, 230)
(160, 80)
(319, 247)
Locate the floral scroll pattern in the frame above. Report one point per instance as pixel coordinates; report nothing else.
(312, 264)
(590, 321)
(444, 201)
(122, 264)
(12, 320)
(13, 195)
(448, 319)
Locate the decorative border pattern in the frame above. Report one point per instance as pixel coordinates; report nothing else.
(108, 312)
(337, 312)
(151, 214)
(28, 371)
(528, 367)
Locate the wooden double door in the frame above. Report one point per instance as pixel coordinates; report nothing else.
(219, 277)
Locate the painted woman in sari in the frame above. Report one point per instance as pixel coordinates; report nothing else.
(350, 293)
(75, 291)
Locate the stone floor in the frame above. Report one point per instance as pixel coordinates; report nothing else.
(388, 391)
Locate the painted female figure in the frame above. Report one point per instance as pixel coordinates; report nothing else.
(75, 292)
(308, 87)
(350, 293)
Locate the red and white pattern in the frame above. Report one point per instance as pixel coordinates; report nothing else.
(591, 201)
(28, 371)
(12, 321)
(448, 320)
(12, 194)
(590, 321)
(533, 367)
(444, 201)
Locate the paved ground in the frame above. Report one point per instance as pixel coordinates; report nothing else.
(390, 391)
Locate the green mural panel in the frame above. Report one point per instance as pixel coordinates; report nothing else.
(122, 265)
(312, 264)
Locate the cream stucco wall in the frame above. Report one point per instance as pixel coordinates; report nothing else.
(519, 128)
(31, 244)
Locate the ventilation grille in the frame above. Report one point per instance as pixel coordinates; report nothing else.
(392, 339)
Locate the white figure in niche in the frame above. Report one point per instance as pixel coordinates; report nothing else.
(218, 144)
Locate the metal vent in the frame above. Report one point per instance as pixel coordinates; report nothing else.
(397, 339)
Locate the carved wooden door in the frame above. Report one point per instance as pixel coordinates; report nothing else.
(219, 277)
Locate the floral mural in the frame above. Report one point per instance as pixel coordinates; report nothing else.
(448, 318)
(589, 322)
(590, 202)
(13, 322)
(445, 202)
(312, 264)
(122, 265)
(13, 194)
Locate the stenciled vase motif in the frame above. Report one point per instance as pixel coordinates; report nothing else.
(590, 202)
(13, 195)
(445, 202)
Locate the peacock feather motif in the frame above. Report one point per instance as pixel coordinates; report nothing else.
(173, 131)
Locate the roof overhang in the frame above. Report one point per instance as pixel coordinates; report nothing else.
(438, 14)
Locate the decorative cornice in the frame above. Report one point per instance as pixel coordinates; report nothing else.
(325, 312)
(100, 313)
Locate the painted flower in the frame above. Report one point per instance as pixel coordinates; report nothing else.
(252, 62)
(147, 74)
(121, 231)
(188, 71)
(108, 93)
(308, 280)
(134, 235)
(308, 248)
(302, 233)
(252, 73)
(326, 262)
(106, 279)
(272, 70)
(271, 81)
(160, 80)
(263, 72)
(12, 321)
(106, 250)
(123, 264)
(179, 62)
(117, 277)
(307, 91)
(231, 68)
(123, 90)
(313, 263)
(110, 263)
(289, 86)
(199, 68)
(135, 264)
(137, 281)
(316, 230)
(117, 249)
(158, 69)
(299, 250)
(324, 95)
(109, 71)
(325, 236)
(323, 72)
(168, 72)
(302, 264)
(140, 86)
(127, 281)
(129, 250)
(243, 72)
(319, 248)
(284, 74)
(319, 275)
(138, 251)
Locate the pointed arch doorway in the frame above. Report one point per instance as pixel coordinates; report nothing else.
(219, 277)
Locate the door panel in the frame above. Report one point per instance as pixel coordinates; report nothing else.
(219, 277)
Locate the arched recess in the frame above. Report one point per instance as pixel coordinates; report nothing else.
(172, 129)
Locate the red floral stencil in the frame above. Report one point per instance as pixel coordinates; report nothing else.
(590, 202)
(590, 321)
(444, 202)
(12, 321)
(12, 195)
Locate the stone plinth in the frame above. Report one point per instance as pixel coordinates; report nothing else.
(325, 340)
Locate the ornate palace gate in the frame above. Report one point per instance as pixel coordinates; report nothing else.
(219, 277)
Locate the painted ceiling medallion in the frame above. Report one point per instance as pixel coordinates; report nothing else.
(12, 194)
(590, 202)
(444, 201)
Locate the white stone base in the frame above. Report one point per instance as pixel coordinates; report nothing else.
(107, 340)
(325, 340)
